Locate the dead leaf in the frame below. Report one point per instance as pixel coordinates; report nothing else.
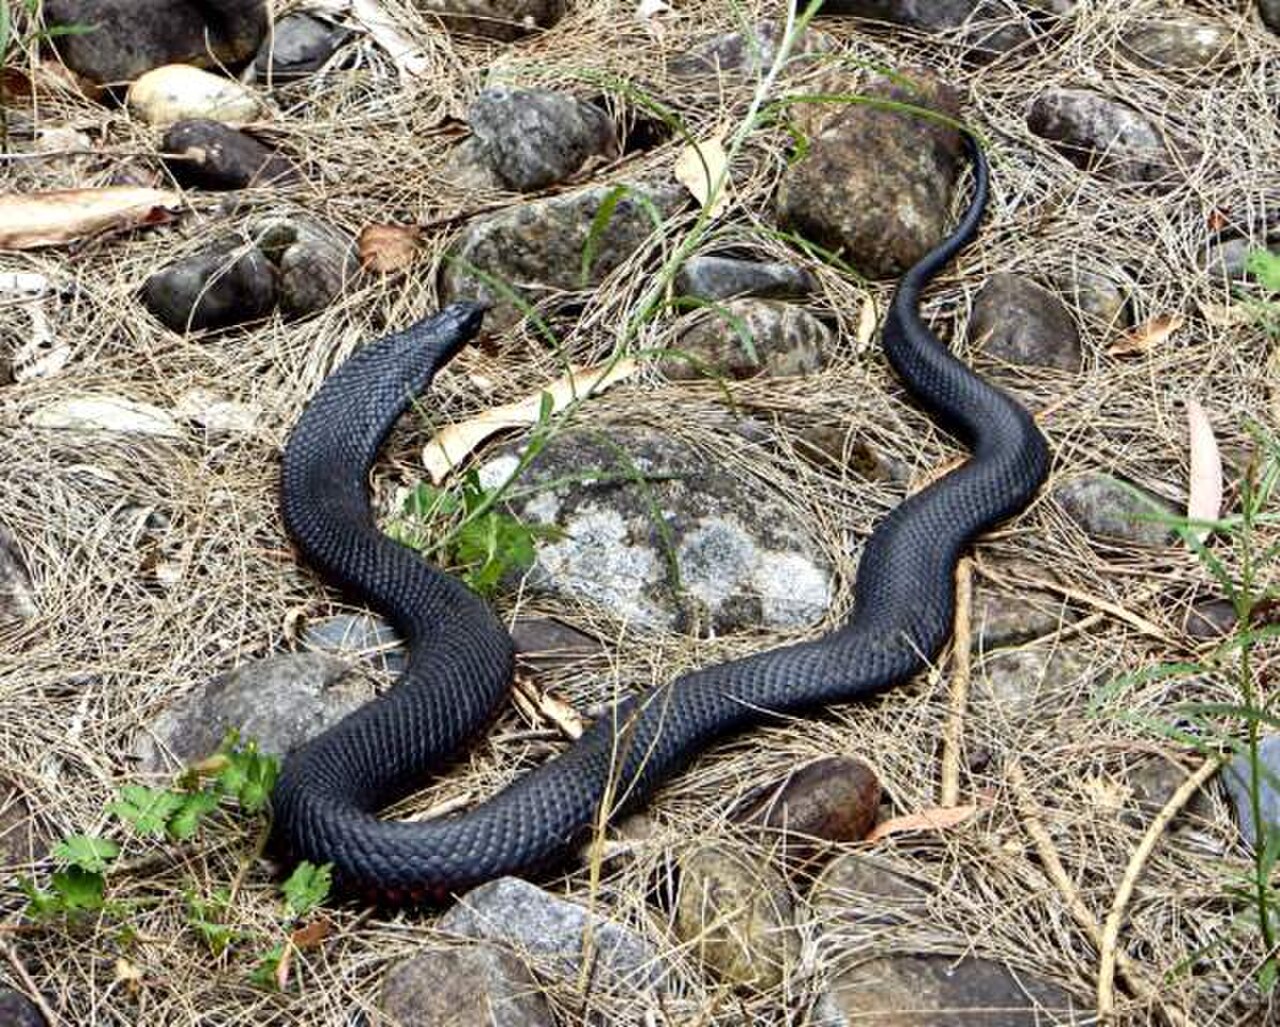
(1204, 495)
(545, 706)
(310, 936)
(408, 57)
(128, 975)
(389, 247)
(938, 819)
(283, 967)
(30, 220)
(868, 318)
(702, 168)
(1147, 337)
(454, 442)
(105, 412)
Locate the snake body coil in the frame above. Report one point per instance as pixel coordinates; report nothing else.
(460, 656)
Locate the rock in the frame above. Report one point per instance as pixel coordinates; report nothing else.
(299, 44)
(278, 702)
(1210, 619)
(745, 559)
(859, 893)
(543, 643)
(736, 916)
(468, 170)
(747, 337)
(316, 262)
(1108, 508)
(22, 840)
(179, 92)
(1237, 776)
(1227, 260)
(130, 37)
(1017, 321)
(17, 601)
(938, 991)
(1097, 298)
(1035, 679)
(472, 984)
(1005, 616)
(104, 412)
(225, 284)
(553, 932)
(745, 55)
(533, 138)
(536, 248)
(1102, 135)
(361, 636)
(833, 799)
(1270, 11)
(987, 27)
(836, 447)
(16, 1010)
(1153, 782)
(1181, 43)
(876, 184)
(211, 155)
(494, 19)
(722, 278)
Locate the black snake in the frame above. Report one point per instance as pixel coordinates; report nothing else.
(460, 656)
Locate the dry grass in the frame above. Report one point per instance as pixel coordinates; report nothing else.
(111, 645)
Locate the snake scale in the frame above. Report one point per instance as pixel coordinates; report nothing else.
(460, 658)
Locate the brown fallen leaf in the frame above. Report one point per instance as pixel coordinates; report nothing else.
(1147, 337)
(868, 318)
(310, 935)
(938, 819)
(454, 442)
(545, 706)
(31, 220)
(1204, 494)
(389, 247)
(702, 168)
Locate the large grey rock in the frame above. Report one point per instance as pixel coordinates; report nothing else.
(228, 283)
(211, 155)
(876, 184)
(315, 262)
(744, 559)
(1238, 777)
(1183, 43)
(279, 702)
(1103, 136)
(536, 249)
(1036, 679)
(1017, 321)
(1004, 616)
(533, 138)
(16, 1010)
(299, 44)
(747, 337)
(1108, 508)
(715, 278)
(471, 984)
(745, 53)
(555, 933)
(986, 27)
(130, 37)
(362, 636)
(494, 19)
(17, 601)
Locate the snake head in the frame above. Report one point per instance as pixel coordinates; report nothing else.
(455, 326)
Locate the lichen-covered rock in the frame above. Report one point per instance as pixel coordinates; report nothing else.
(744, 559)
(1017, 321)
(747, 337)
(536, 248)
(210, 155)
(1036, 679)
(494, 19)
(316, 262)
(1101, 300)
(714, 278)
(533, 138)
(227, 283)
(986, 27)
(1183, 43)
(876, 184)
(1108, 508)
(1103, 136)
(471, 984)
(746, 53)
(179, 92)
(298, 44)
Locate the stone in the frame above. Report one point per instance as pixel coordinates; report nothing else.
(862, 894)
(357, 636)
(987, 28)
(1227, 260)
(22, 840)
(552, 932)
(225, 284)
(131, 37)
(315, 262)
(743, 338)
(1011, 615)
(941, 991)
(468, 170)
(471, 984)
(876, 184)
(534, 138)
(1180, 43)
(1237, 776)
(837, 447)
(1099, 299)
(746, 54)
(298, 45)
(736, 916)
(536, 248)
(494, 19)
(1152, 783)
(715, 278)
(833, 799)
(1210, 619)
(16, 1010)
(1036, 679)
(1270, 12)
(179, 92)
(1017, 321)
(211, 155)
(745, 559)
(278, 702)
(17, 600)
(1102, 136)
(543, 643)
(1108, 508)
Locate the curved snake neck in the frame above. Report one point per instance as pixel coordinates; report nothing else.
(460, 656)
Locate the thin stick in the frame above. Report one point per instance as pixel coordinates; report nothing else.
(1111, 929)
(953, 730)
(33, 992)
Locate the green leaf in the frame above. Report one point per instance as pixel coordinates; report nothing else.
(40, 903)
(249, 776)
(87, 852)
(146, 810)
(1268, 975)
(1265, 267)
(208, 916)
(186, 822)
(264, 974)
(307, 887)
(78, 890)
(600, 225)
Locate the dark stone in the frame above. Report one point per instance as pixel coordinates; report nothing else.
(722, 278)
(17, 602)
(1098, 298)
(494, 19)
(833, 799)
(1103, 136)
(299, 45)
(1005, 616)
(211, 155)
(1108, 508)
(863, 893)
(745, 54)
(1270, 11)
(1180, 43)
(472, 984)
(1210, 619)
(130, 37)
(22, 841)
(987, 27)
(1237, 776)
(316, 263)
(16, 1010)
(780, 340)
(876, 184)
(837, 447)
(543, 643)
(1153, 782)
(226, 284)
(1017, 321)
(533, 138)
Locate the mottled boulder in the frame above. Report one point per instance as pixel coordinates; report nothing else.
(16, 1010)
(1108, 508)
(315, 262)
(715, 278)
(494, 19)
(471, 984)
(227, 283)
(747, 337)
(1102, 135)
(1017, 321)
(298, 45)
(210, 155)
(130, 37)
(17, 602)
(745, 54)
(876, 184)
(1181, 43)
(179, 92)
(1035, 679)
